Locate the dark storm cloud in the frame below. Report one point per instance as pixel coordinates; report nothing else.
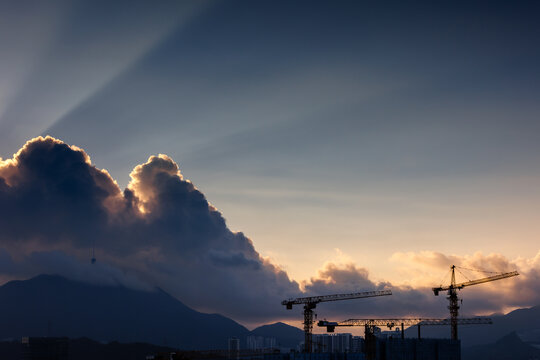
(161, 231)
(58, 262)
(222, 258)
(51, 193)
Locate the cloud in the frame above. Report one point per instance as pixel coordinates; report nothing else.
(160, 230)
(347, 277)
(340, 278)
(427, 268)
(50, 194)
(55, 206)
(57, 262)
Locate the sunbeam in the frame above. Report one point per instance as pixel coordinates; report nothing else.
(56, 84)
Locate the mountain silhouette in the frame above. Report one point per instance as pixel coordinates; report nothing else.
(50, 305)
(509, 347)
(286, 336)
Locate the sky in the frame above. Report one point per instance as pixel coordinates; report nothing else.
(326, 146)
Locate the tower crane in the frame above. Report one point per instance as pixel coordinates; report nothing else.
(370, 324)
(453, 298)
(311, 302)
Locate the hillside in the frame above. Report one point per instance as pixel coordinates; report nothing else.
(510, 347)
(286, 336)
(49, 305)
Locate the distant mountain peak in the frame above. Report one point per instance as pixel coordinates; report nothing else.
(53, 305)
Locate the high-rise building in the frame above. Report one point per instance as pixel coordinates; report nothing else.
(254, 342)
(341, 343)
(357, 344)
(260, 342)
(234, 348)
(270, 343)
(332, 343)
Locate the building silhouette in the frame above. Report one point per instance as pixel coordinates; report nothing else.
(45, 348)
(234, 348)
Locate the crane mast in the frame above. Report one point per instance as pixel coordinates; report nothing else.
(453, 297)
(311, 302)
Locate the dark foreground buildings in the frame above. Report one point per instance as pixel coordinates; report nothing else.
(338, 348)
(418, 349)
(387, 349)
(45, 348)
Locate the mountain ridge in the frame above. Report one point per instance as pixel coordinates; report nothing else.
(56, 306)
(509, 347)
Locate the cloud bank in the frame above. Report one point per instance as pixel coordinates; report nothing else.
(55, 206)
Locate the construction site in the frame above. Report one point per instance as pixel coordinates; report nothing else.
(376, 345)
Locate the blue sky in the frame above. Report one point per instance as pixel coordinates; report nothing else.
(349, 132)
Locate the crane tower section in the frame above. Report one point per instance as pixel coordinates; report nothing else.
(452, 293)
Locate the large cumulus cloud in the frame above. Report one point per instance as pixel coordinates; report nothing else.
(161, 231)
(54, 206)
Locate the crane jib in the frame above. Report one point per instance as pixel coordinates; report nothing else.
(475, 282)
(407, 322)
(336, 297)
